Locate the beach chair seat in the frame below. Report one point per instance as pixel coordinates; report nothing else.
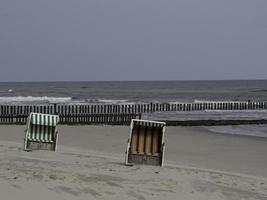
(146, 143)
(41, 132)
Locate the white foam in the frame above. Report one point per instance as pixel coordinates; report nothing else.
(35, 99)
(176, 102)
(206, 101)
(113, 101)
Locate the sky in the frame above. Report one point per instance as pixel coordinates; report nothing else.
(106, 40)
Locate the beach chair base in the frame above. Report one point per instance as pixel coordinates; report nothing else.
(146, 143)
(30, 145)
(144, 159)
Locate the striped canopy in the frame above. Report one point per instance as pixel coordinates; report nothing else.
(137, 122)
(44, 119)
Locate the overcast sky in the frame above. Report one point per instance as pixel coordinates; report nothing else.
(88, 40)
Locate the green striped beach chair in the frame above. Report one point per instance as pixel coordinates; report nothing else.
(41, 132)
(146, 143)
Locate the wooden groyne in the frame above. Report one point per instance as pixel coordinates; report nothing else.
(114, 113)
(73, 119)
(129, 108)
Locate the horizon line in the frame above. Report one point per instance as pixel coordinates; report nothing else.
(162, 80)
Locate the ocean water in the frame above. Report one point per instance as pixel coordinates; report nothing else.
(130, 92)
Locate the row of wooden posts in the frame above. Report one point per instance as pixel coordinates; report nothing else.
(72, 119)
(106, 113)
(128, 108)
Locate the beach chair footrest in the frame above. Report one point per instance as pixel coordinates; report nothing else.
(33, 145)
(144, 159)
(43, 141)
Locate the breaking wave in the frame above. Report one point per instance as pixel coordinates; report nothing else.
(29, 99)
(110, 101)
(207, 101)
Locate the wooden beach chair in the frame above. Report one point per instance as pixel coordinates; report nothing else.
(41, 132)
(146, 143)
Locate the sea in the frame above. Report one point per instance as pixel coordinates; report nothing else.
(132, 92)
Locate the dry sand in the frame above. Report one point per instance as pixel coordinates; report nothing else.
(89, 164)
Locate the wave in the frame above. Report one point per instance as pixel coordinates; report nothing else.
(78, 100)
(44, 99)
(176, 102)
(64, 100)
(207, 101)
(114, 101)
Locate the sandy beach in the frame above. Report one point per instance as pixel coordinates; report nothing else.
(89, 164)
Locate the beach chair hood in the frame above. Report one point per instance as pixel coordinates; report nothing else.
(44, 119)
(148, 123)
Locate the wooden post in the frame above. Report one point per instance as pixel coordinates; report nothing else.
(55, 109)
(128, 108)
(145, 108)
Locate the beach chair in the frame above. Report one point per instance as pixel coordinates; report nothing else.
(41, 132)
(146, 143)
